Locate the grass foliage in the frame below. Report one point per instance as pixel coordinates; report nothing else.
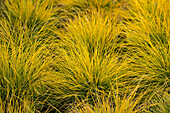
(84, 56)
(147, 33)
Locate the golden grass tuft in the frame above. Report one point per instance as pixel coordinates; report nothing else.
(95, 56)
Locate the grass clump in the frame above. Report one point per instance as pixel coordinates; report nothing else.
(23, 54)
(21, 70)
(148, 34)
(84, 56)
(115, 102)
(86, 59)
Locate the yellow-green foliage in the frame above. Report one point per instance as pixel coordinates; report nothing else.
(22, 106)
(21, 67)
(147, 30)
(23, 40)
(85, 4)
(84, 56)
(29, 18)
(72, 7)
(113, 103)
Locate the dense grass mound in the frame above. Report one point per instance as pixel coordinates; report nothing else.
(84, 56)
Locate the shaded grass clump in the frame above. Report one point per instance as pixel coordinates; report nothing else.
(31, 17)
(84, 5)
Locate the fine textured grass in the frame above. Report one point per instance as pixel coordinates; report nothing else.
(147, 31)
(114, 103)
(21, 67)
(85, 4)
(23, 62)
(84, 56)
